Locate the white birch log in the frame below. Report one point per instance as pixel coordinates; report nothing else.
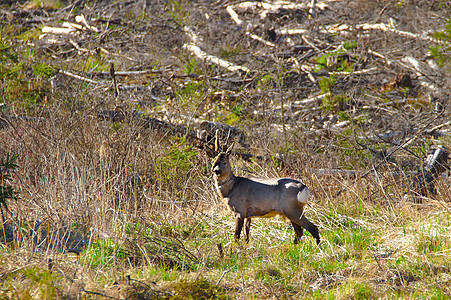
(195, 50)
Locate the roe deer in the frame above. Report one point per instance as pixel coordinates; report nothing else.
(262, 197)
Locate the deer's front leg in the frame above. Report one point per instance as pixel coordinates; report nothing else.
(298, 232)
(239, 221)
(247, 227)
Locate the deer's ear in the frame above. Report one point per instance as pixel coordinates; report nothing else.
(229, 150)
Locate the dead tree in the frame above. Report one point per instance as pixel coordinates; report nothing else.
(435, 164)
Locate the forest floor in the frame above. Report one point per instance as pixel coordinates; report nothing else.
(108, 112)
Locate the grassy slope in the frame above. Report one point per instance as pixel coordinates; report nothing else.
(139, 209)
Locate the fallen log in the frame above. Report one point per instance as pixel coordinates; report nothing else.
(200, 137)
(227, 133)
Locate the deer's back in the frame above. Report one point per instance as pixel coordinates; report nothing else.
(263, 196)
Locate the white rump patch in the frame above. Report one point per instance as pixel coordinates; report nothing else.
(304, 195)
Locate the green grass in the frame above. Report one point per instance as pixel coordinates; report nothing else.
(141, 203)
(338, 268)
(33, 282)
(105, 253)
(19, 85)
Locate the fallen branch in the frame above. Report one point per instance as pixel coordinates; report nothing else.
(237, 20)
(57, 30)
(293, 31)
(159, 126)
(70, 74)
(387, 27)
(344, 29)
(312, 11)
(91, 52)
(81, 19)
(268, 8)
(126, 73)
(436, 130)
(340, 28)
(310, 43)
(116, 87)
(420, 71)
(233, 15)
(195, 50)
(70, 28)
(307, 70)
(311, 100)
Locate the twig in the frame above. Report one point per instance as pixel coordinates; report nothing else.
(70, 74)
(435, 128)
(223, 274)
(312, 11)
(70, 6)
(80, 49)
(100, 294)
(113, 76)
(344, 73)
(364, 71)
(221, 252)
(309, 43)
(293, 31)
(261, 40)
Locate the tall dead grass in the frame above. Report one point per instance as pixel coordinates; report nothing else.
(82, 180)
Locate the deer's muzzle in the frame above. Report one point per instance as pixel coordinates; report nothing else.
(217, 170)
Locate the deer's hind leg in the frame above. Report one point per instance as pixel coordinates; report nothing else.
(310, 227)
(297, 217)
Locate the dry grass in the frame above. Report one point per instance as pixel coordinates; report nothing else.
(118, 210)
(103, 199)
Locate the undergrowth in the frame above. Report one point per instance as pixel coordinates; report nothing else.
(115, 208)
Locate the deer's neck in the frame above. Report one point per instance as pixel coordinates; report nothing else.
(225, 185)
